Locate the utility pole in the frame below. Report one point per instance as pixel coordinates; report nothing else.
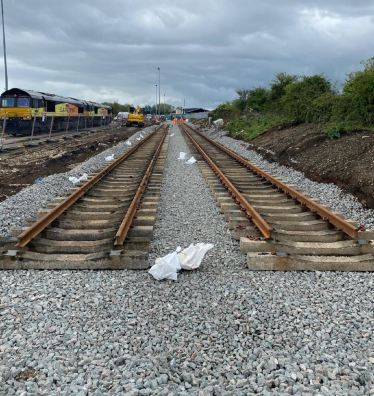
(184, 106)
(164, 105)
(4, 46)
(159, 90)
(156, 100)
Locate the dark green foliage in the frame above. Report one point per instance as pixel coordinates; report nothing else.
(299, 96)
(257, 99)
(293, 99)
(278, 87)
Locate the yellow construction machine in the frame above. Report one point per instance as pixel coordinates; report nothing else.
(135, 117)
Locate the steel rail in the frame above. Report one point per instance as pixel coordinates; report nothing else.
(326, 214)
(127, 221)
(49, 217)
(245, 206)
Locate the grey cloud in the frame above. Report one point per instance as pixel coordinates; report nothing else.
(206, 49)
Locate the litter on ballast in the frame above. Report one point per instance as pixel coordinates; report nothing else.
(182, 155)
(192, 257)
(39, 180)
(128, 143)
(109, 158)
(192, 160)
(167, 267)
(172, 135)
(76, 180)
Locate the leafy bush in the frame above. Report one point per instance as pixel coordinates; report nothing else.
(255, 124)
(226, 111)
(303, 99)
(298, 97)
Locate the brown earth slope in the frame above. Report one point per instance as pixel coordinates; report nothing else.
(347, 162)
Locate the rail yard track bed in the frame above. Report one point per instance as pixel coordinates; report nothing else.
(103, 223)
(22, 168)
(279, 228)
(220, 329)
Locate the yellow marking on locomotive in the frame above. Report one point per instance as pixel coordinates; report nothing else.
(21, 112)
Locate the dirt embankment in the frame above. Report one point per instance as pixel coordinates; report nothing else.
(20, 171)
(347, 162)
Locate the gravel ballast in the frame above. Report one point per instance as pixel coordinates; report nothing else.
(218, 330)
(329, 195)
(15, 209)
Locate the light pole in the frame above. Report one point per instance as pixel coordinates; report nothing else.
(164, 105)
(156, 100)
(6, 69)
(159, 90)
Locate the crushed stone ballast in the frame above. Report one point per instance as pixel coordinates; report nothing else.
(105, 222)
(279, 227)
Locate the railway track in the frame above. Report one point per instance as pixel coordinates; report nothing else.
(103, 223)
(279, 227)
(16, 148)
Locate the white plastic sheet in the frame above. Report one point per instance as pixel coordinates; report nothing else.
(191, 257)
(218, 123)
(166, 267)
(76, 180)
(182, 155)
(192, 160)
(109, 158)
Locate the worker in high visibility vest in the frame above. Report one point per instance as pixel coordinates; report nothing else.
(182, 120)
(175, 120)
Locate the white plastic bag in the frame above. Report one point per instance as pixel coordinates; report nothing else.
(182, 155)
(109, 158)
(218, 123)
(166, 267)
(191, 257)
(172, 135)
(83, 177)
(191, 161)
(76, 180)
(128, 143)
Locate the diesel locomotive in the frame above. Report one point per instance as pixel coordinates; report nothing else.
(23, 111)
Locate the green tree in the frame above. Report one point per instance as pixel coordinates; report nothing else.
(298, 97)
(258, 98)
(359, 88)
(242, 101)
(278, 86)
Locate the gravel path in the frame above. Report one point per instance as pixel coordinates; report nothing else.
(219, 330)
(15, 209)
(329, 194)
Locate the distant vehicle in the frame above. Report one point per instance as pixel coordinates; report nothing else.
(135, 117)
(122, 115)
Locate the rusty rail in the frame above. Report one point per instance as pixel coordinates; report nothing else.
(126, 223)
(251, 212)
(49, 217)
(326, 214)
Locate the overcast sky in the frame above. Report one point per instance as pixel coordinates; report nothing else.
(206, 49)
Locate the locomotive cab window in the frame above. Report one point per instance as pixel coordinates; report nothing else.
(35, 103)
(51, 106)
(8, 102)
(23, 102)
